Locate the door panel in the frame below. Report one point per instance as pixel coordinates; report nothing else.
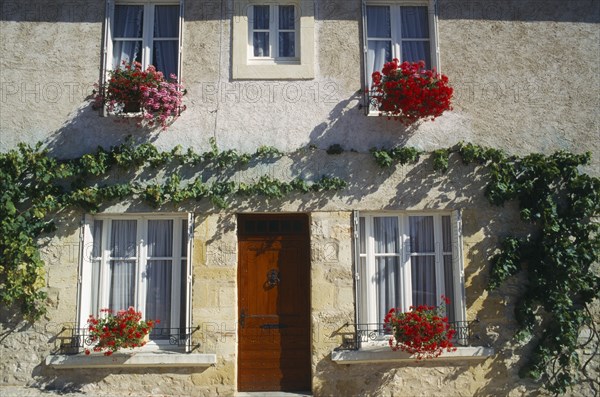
(274, 303)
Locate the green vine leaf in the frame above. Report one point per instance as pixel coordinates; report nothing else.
(557, 260)
(440, 160)
(562, 204)
(402, 155)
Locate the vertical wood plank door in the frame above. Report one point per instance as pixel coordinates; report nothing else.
(274, 303)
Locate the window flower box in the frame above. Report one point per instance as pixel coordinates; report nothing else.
(422, 331)
(408, 92)
(151, 98)
(126, 329)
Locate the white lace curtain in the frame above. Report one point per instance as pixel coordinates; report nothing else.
(128, 30)
(123, 251)
(122, 271)
(262, 27)
(287, 41)
(166, 39)
(388, 254)
(387, 268)
(414, 24)
(422, 263)
(128, 37)
(159, 271)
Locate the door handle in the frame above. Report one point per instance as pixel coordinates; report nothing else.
(243, 318)
(273, 278)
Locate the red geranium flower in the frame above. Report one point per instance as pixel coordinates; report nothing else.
(408, 92)
(423, 330)
(126, 329)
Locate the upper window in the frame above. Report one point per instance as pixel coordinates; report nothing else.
(408, 260)
(403, 30)
(146, 32)
(141, 262)
(272, 32)
(273, 39)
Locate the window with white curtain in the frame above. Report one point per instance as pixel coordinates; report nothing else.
(139, 261)
(146, 32)
(399, 29)
(408, 259)
(273, 39)
(273, 32)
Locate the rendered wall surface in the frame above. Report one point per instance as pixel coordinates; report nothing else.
(525, 75)
(526, 79)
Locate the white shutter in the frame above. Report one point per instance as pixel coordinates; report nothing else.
(188, 274)
(356, 241)
(180, 44)
(367, 105)
(176, 275)
(107, 45)
(433, 34)
(84, 279)
(458, 268)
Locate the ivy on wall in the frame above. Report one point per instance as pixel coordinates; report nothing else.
(552, 193)
(557, 258)
(34, 186)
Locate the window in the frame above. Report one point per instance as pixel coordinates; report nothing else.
(272, 32)
(408, 259)
(403, 30)
(139, 261)
(146, 32)
(273, 40)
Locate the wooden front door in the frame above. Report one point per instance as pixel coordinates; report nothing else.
(274, 303)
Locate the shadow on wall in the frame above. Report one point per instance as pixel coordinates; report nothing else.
(344, 128)
(426, 377)
(77, 11)
(70, 381)
(460, 187)
(86, 129)
(583, 11)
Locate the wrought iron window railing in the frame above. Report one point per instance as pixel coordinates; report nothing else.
(364, 333)
(74, 340)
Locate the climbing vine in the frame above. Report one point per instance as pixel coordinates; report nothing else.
(562, 202)
(556, 259)
(401, 155)
(34, 186)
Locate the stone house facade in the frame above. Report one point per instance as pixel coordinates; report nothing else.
(288, 293)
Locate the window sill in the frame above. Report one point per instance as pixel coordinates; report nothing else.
(124, 115)
(380, 354)
(131, 360)
(273, 71)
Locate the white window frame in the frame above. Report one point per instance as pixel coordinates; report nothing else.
(365, 278)
(246, 66)
(85, 272)
(147, 35)
(273, 35)
(396, 36)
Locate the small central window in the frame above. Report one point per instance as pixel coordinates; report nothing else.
(272, 32)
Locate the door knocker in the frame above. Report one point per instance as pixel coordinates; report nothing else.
(273, 277)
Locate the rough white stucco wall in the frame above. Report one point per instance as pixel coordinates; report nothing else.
(525, 77)
(214, 308)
